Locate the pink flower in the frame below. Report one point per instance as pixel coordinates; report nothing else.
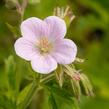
(44, 45)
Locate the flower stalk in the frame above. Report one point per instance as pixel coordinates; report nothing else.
(35, 87)
(21, 8)
(47, 78)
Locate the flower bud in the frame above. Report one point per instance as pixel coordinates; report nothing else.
(68, 15)
(65, 14)
(79, 60)
(87, 88)
(76, 88)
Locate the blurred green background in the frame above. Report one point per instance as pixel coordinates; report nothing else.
(89, 30)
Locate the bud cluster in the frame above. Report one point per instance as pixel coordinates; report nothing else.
(64, 13)
(79, 82)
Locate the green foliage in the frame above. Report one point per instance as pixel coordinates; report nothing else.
(34, 2)
(26, 95)
(14, 30)
(90, 31)
(23, 93)
(60, 99)
(6, 103)
(10, 4)
(10, 72)
(9, 92)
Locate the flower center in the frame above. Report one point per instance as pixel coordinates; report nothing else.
(44, 45)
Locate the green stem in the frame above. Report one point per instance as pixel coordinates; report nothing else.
(47, 78)
(21, 16)
(23, 7)
(35, 87)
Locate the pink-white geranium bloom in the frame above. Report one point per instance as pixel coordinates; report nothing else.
(43, 44)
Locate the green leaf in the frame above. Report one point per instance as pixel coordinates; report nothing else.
(52, 102)
(6, 103)
(10, 92)
(61, 99)
(10, 72)
(14, 30)
(29, 91)
(23, 93)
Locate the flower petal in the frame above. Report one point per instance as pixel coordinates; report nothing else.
(57, 27)
(33, 28)
(25, 49)
(44, 64)
(65, 51)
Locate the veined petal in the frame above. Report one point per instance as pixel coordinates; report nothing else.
(33, 28)
(25, 49)
(65, 51)
(43, 64)
(57, 27)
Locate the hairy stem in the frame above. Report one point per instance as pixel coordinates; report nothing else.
(34, 88)
(47, 78)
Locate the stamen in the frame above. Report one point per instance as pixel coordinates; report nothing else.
(44, 45)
